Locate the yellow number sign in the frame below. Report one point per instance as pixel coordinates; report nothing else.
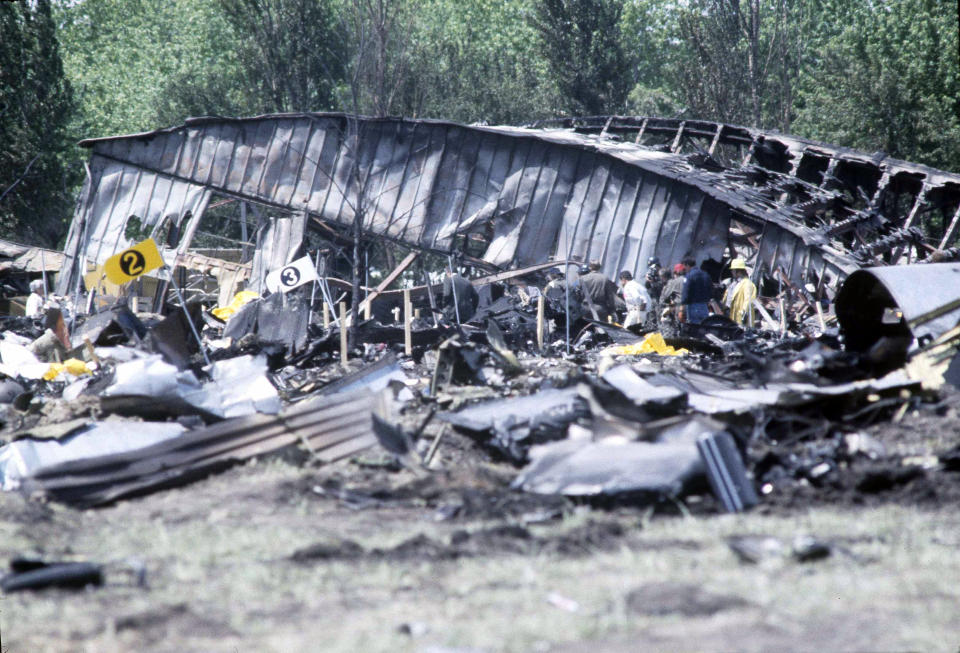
(133, 261)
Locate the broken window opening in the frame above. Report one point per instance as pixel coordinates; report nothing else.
(772, 155)
(728, 154)
(941, 205)
(657, 140)
(812, 167)
(897, 205)
(859, 181)
(166, 233)
(476, 243)
(227, 230)
(134, 230)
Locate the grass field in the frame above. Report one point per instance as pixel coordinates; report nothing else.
(220, 578)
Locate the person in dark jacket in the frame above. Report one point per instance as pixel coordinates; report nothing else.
(599, 292)
(652, 279)
(696, 295)
(654, 283)
(459, 298)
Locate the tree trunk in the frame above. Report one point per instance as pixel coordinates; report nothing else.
(753, 60)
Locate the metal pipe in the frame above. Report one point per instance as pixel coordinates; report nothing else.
(453, 286)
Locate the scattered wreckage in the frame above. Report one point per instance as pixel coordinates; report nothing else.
(235, 344)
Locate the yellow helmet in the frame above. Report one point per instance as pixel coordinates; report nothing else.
(738, 264)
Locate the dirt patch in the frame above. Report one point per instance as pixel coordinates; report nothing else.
(660, 599)
(475, 493)
(506, 539)
(163, 623)
(333, 550)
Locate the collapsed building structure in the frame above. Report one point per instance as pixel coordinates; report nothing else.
(614, 189)
(504, 200)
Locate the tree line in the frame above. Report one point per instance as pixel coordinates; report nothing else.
(877, 75)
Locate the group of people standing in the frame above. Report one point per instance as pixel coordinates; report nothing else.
(684, 294)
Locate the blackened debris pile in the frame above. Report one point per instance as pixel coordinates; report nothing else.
(640, 328)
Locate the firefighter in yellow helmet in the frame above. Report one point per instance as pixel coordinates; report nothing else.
(740, 294)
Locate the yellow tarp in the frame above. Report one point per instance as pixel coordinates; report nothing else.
(71, 365)
(652, 344)
(241, 298)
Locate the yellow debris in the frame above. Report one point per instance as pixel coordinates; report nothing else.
(241, 298)
(652, 344)
(53, 371)
(72, 366)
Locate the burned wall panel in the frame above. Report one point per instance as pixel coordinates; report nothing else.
(277, 152)
(509, 211)
(664, 220)
(607, 221)
(291, 171)
(414, 148)
(307, 179)
(586, 168)
(413, 230)
(480, 170)
(711, 224)
(223, 156)
(120, 191)
(583, 229)
(522, 194)
(389, 178)
(618, 241)
(548, 227)
(257, 161)
(633, 253)
(441, 201)
(687, 232)
(536, 222)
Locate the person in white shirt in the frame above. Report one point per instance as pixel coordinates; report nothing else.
(35, 300)
(636, 297)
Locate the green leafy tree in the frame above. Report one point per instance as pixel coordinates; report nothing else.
(35, 105)
(738, 60)
(583, 45)
(379, 60)
(885, 76)
(140, 64)
(291, 51)
(210, 75)
(477, 61)
(650, 34)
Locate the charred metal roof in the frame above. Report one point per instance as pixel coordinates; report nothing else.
(875, 181)
(507, 196)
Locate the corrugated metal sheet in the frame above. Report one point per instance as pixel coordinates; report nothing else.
(278, 240)
(928, 296)
(330, 428)
(528, 194)
(25, 258)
